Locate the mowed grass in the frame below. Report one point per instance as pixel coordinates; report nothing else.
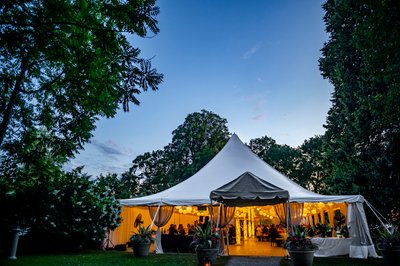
(114, 258)
(117, 258)
(340, 261)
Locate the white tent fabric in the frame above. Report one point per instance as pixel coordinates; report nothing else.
(362, 245)
(232, 161)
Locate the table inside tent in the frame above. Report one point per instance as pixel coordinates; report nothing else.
(331, 246)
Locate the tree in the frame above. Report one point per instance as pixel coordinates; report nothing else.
(37, 194)
(312, 164)
(121, 187)
(131, 183)
(65, 63)
(194, 144)
(362, 61)
(283, 158)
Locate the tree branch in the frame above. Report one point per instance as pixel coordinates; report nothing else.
(13, 98)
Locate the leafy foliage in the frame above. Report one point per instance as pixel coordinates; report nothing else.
(298, 240)
(63, 65)
(121, 187)
(296, 163)
(38, 195)
(361, 59)
(313, 163)
(144, 235)
(204, 238)
(194, 144)
(389, 237)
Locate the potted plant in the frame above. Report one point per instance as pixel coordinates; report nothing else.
(389, 244)
(300, 247)
(206, 245)
(141, 241)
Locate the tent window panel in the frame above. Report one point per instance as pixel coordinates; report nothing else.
(319, 218)
(326, 216)
(339, 219)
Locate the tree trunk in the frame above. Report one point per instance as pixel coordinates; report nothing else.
(9, 109)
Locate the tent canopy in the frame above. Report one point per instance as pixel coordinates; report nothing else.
(232, 161)
(249, 190)
(224, 173)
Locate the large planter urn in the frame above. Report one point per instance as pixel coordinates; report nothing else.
(141, 249)
(206, 255)
(391, 256)
(301, 257)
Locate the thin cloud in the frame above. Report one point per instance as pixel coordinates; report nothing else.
(260, 104)
(259, 117)
(108, 148)
(249, 53)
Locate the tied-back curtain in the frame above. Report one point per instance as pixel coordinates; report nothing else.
(229, 214)
(163, 215)
(213, 209)
(225, 212)
(296, 211)
(280, 210)
(162, 218)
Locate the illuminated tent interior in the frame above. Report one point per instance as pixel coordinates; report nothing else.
(190, 200)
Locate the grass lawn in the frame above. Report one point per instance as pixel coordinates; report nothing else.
(339, 261)
(116, 258)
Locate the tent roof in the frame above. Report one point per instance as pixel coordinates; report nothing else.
(249, 190)
(233, 160)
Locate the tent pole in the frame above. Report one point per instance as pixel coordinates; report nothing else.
(211, 214)
(217, 228)
(226, 231)
(288, 217)
(219, 216)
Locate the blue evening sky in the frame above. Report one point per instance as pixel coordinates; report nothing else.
(254, 63)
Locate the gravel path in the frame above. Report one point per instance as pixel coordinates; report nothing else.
(253, 261)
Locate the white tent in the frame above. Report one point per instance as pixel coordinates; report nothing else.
(234, 160)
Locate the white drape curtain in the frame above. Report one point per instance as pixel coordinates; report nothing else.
(160, 219)
(122, 234)
(281, 210)
(225, 215)
(296, 212)
(163, 215)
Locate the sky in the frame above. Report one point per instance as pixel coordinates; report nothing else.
(254, 63)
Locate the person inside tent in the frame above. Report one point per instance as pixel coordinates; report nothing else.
(232, 234)
(273, 234)
(205, 224)
(259, 232)
(172, 230)
(181, 230)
